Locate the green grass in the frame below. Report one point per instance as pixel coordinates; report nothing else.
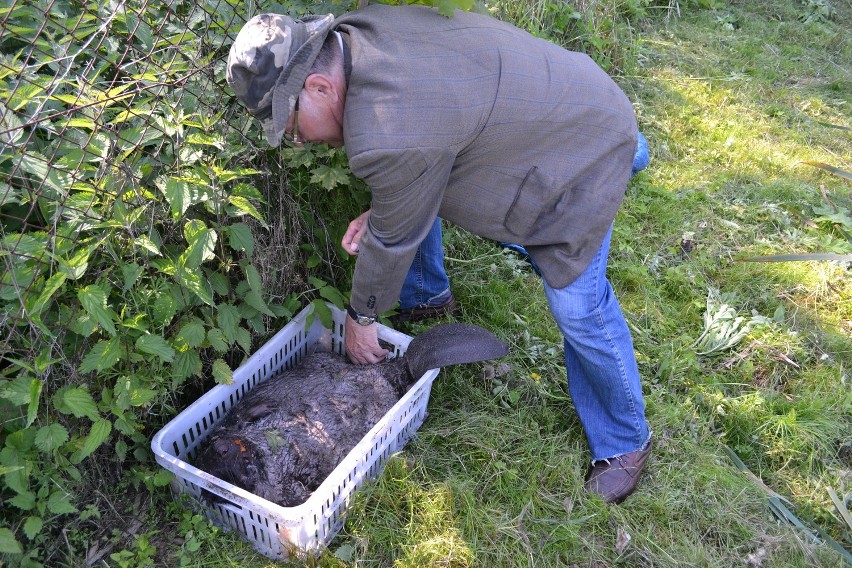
(731, 100)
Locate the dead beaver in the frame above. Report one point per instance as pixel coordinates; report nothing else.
(290, 432)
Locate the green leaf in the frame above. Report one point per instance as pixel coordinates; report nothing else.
(192, 228)
(448, 7)
(93, 298)
(155, 345)
(201, 247)
(283, 310)
(47, 177)
(165, 308)
(35, 395)
(333, 295)
(186, 364)
(193, 282)
(18, 391)
(127, 424)
(203, 139)
(77, 401)
(254, 300)
(240, 238)
(246, 206)
(345, 553)
(9, 195)
(329, 177)
(274, 439)
(104, 355)
(7, 469)
(228, 318)
(244, 339)
(53, 284)
(83, 324)
(179, 194)
(222, 373)
(136, 137)
(8, 543)
(49, 438)
(248, 190)
(140, 396)
(138, 322)
(75, 267)
(217, 340)
(252, 277)
(130, 274)
(24, 501)
(11, 126)
(146, 244)
(32, 527)
(17, 470)
(191, 333)
(21, 440)
(323, 312)
(120, 448)
(97, 435)
(218, 281)
(830, 215)
(163, 478)
(60, 503)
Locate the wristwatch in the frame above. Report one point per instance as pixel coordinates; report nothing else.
(360, 319)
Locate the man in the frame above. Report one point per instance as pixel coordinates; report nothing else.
(473, 120)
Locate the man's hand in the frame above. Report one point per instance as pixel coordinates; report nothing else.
(362, 343)
(353, 233)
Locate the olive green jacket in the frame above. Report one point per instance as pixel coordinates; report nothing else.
(508, 136)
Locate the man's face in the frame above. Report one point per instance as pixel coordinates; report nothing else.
(320, 115)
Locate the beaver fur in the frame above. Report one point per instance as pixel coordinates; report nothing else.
(288, 434)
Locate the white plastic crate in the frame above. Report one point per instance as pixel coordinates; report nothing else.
(274, 530)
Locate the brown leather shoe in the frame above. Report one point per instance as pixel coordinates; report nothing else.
(425, 311)
(615, 479)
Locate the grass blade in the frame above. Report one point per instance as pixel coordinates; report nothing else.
(798, 257)
(780, 510)
(830, 169)
(841, 508)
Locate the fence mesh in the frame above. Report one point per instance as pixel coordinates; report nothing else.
(112, 115)
(150, 239)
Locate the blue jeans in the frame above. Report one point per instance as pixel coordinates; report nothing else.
(603, 377)
(427, 282)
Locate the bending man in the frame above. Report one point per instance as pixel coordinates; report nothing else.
(476, 121)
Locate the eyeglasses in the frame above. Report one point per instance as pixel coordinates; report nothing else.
(293, 135)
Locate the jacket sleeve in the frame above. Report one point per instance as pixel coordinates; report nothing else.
(407, 186)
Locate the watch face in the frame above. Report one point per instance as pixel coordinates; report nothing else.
(360, 319)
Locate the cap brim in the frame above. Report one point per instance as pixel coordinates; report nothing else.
(293, 77)
(275, 126)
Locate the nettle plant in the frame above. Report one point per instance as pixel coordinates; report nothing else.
(127, 240)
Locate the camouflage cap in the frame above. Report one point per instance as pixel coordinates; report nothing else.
(269, 62)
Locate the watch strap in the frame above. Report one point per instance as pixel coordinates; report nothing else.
(361, 319)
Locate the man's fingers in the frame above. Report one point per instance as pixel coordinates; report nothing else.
(353, 234)
(368, 358)
(362, 344)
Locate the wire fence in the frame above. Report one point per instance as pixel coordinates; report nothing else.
(149, 241)
(114, 121)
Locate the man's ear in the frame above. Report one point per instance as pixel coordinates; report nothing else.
(321, 85)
